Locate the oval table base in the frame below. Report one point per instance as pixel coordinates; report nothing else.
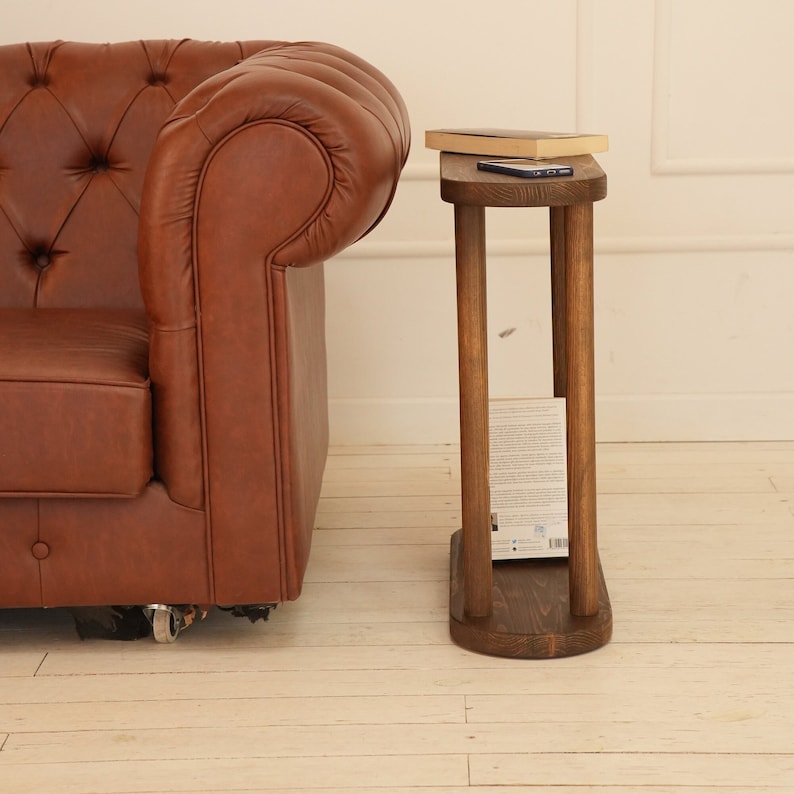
(531, 616)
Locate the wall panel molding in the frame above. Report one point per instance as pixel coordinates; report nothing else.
(586, 77)
(661, 161)
(537, 246)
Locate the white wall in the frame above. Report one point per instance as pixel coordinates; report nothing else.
(694, 244)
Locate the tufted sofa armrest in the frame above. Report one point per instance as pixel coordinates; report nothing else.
(281, 161)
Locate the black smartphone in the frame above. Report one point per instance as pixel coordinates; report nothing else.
(531, 169)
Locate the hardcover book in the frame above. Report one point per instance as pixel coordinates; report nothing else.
(515, 143)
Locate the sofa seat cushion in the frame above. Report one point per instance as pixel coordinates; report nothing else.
(75, 403)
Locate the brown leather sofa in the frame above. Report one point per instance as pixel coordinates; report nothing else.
(165, 210)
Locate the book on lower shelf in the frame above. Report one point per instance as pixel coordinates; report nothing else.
(528, 478)
(515, 143)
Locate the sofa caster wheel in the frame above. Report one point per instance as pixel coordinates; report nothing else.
(167, 622)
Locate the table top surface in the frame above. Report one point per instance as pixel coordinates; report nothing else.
(463, 183)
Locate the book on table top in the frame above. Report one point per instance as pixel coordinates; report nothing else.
(515, 143)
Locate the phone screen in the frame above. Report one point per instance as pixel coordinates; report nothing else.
(527, 165)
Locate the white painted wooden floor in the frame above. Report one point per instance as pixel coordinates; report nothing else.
(357, 687)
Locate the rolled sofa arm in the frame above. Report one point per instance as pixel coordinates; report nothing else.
(283, 160)
(352, 110)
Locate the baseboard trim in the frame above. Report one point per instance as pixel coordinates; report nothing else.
(665, 417)
(696, 417)
(394, 421)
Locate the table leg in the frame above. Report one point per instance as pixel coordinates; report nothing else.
(473, 378)
(557, 238)
(580, 401)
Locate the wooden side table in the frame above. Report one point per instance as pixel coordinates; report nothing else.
(528, 608)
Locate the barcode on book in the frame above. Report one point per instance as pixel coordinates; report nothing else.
(558, 543)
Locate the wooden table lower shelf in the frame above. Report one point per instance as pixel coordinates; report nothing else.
(531, 617)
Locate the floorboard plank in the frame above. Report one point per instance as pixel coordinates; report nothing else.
(574, 737)
(237, 771)
(356, 686)
(634, 770)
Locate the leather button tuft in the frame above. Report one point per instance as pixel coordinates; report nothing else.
(40, 550)
(42, 261)
(157, 79)
(99, 166)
